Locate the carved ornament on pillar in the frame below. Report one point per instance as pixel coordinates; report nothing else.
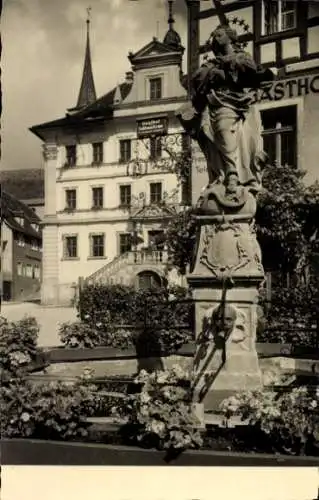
(226, 248)
(223, 251)
(50, 151)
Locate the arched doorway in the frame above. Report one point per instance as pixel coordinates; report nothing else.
(148, 279)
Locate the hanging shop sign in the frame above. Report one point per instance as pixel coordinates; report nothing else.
(152, 126)
(285, 89)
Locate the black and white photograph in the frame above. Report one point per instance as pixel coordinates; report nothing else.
(160, 237)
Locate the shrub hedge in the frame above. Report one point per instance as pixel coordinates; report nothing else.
(155, 320)
(292, 316)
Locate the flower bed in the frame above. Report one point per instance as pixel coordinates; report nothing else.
(52, 410)
(156, 408)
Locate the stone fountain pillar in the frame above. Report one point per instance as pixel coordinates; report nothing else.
(227, 268)
(224, 279)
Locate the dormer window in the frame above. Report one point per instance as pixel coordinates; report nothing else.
(70, 155)
(155, 88)
(278, 16)
(35, 245)
(19, 220)
(20, 241)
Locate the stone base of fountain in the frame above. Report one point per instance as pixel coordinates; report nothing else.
(225, 277)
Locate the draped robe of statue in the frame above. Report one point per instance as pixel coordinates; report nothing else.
(225, 123)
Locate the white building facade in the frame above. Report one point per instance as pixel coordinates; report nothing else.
(110, 181)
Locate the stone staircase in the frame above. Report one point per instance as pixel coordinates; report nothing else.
(124, 268)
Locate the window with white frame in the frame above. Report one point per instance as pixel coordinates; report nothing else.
(125, 240)
(155, 148)
(125, 150)
(278, 15)
(155, 192)
(97, 152)
(155, 88)
(97, 197)
(70, 153)
(28, 270)
(70, 199)
(125, 195)
(70, 246)
(19, 269)
(36, 272)
(279, 134)
(97, 245)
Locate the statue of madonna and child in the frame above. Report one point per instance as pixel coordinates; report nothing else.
(226, 125)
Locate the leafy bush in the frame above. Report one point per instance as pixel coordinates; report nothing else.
(84, 335)
(79, 334)
(18, 346)
(181, 239)
(44, 411)
(286, 218)
(292, 316)
(159, 414)
(286, 223)
(120, 316)
(290, 420)
(53, 411)
(105, 303)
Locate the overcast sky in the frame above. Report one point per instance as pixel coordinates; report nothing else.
(43, 54)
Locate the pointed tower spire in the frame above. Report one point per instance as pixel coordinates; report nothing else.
(87, 93)
(172, 38)
(171, 20)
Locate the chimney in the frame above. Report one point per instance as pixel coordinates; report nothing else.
(129, 77)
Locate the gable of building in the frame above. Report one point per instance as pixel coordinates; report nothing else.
(19, 217)
(152, 50)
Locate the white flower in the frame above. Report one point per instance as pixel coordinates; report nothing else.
(142, 376)
(162, 377)
(25, 417)
(167, 394)
(19, 357)
(157, 427)
(144, 411)
(145, 397)
(178, 371)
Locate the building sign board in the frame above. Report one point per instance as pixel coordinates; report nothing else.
(152, 126)
(285, 89)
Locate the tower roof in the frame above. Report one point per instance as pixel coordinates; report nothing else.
(87, 94)
(171, 38)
